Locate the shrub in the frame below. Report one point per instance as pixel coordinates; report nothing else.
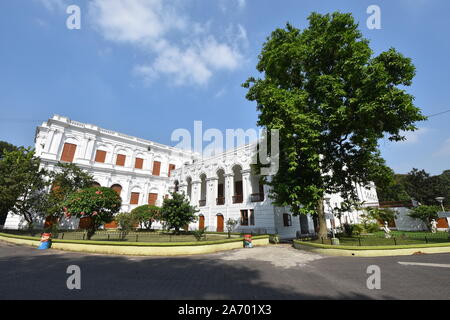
(372, 227)
(425, 213)
(348, 229)
(199, 234)
(127, 222)
(274, 238)
(358, 229)
(231, 223)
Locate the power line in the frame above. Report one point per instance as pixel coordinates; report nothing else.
(438, 114)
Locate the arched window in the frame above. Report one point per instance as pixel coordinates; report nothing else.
(117, 188)
(238, 196)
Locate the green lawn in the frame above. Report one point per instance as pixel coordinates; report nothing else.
(397, 238)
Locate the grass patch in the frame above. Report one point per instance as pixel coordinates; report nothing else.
(130, 243)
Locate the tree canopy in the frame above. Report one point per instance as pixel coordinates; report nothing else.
(22, 183)
(418, 185)
(176, 211)
(97, 203)
(332, 101)
(66, 179)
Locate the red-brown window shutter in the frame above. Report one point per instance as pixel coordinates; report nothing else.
(156, 168)
(121, 160)
(171, 167)
(68, 152)
(134, 198)
(139, 163)
(100, 156)
(152, 197)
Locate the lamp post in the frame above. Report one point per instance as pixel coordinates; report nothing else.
(444, 214)
(441, 200)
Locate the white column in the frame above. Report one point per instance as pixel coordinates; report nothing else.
(196, 193)
(246, 188)
(212, 191)
(228, 188)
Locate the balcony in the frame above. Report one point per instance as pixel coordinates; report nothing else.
(257, 197)
(220, 201)
(202, 203)
(238, 198)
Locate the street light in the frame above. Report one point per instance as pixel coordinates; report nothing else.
(441, 200)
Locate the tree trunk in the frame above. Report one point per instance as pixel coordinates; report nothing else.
(323, 232)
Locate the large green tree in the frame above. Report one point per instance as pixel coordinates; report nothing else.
(5, 206)
(332, 101)
(66, 179)
(22, 183)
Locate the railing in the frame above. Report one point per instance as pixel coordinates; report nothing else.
(238, 198)
(257, 197)
(220, 201)
(202, 203)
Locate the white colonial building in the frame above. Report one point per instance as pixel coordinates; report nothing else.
(143, 172)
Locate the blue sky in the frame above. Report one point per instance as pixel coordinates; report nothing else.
(148, 67)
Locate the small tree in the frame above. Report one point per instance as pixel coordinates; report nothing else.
(97, 203)
(127, 222)
(230, 224)
(425, 213)
(176, 211)
(146, 215)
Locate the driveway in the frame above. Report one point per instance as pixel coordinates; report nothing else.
(273, 272)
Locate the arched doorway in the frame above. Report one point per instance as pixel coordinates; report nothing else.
(201, 222)
(220, 223)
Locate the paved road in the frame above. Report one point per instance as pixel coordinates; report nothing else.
(275, 272)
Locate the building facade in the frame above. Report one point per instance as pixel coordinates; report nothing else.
(144, 172)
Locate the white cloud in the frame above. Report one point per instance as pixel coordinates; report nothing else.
(413, 137)
(444, 150)
(185, 51)
(242, 3)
